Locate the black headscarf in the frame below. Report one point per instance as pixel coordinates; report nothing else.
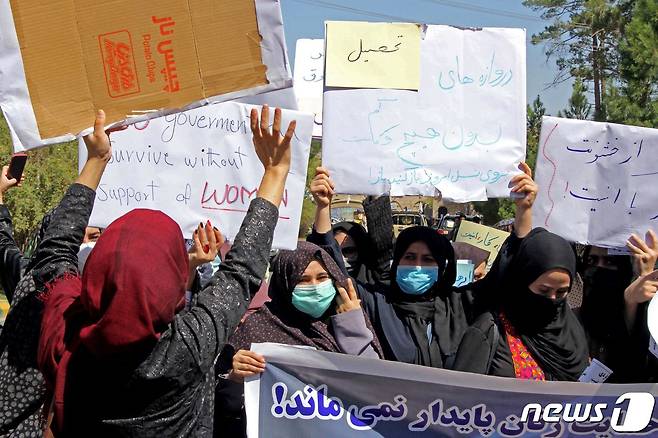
(548, 328)
(359, 268)
(435, 306)
(603, 293)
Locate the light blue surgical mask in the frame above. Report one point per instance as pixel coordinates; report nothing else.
(416, 280)
(314, 299)
(215, 264)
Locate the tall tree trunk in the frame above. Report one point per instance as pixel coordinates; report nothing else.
(596, 76)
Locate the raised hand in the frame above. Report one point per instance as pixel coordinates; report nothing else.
(322, 188)
(98, 142)
(246, 364)
(6, 183)
(273, 152)
(642, 290)
(524, 184)
(207, 241)
(99, 152)
(347, 300)
(644, 252)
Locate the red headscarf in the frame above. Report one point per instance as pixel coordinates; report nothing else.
(132, 286)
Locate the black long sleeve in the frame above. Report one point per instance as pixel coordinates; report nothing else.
(57, 253)
(10, 255)
(380, 231)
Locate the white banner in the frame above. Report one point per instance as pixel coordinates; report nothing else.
(597, 181)
(463, 133)
(305, 393)
(199, 165)
(309, 78)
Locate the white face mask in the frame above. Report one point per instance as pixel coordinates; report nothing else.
(83, 255)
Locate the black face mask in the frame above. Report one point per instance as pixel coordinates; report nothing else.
(602, 282)
(603, 295)
(532, 312)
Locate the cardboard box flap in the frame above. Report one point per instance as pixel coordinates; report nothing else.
(230, 55)
(51, 53)
(130, 57)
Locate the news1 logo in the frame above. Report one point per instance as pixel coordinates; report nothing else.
(636, 417)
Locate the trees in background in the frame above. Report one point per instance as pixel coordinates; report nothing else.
(48, 173)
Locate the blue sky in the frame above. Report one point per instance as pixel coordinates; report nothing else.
(305, 19)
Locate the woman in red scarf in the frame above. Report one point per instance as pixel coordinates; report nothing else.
(119, 352)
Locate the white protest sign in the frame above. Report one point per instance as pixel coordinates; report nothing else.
(463, 133)
(596, 372)
(596, 181)
(199, 165)
(308, 79)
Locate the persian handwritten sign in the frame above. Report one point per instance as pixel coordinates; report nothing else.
(463, 133)
(597, 181)
(199, 165)
(309, 79)
(486, 238)
(372, 55)
(465, 271)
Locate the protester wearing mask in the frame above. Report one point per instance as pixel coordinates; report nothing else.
(366, 255)
(477, 256)
(121, 355)
(421, 318)
(312, 304)
(614, 307)
(530, 332)
(605, 277)
(355, 248)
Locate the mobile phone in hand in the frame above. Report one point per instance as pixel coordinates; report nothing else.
(16, 166)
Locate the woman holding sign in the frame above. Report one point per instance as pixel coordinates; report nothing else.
(120, 352)
(420, 318)
(313, 305)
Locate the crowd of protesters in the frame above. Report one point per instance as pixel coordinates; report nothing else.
(127, 331)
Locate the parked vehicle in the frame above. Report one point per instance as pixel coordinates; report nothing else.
(406, 219)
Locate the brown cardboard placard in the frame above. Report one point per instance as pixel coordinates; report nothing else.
(128, 57)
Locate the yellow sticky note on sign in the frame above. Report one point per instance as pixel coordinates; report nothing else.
(372, 55)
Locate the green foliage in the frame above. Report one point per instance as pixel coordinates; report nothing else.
(48, 173)
(533, 118)
(308, 208)
(579, 106)
(583, 39)
(635, 101)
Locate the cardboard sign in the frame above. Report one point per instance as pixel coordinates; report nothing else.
(372, 55)
(132, 58)
(483, 237)
(199, 165)
(596, 181)
(309, 79)
(463, 133)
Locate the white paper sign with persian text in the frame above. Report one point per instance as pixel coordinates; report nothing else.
(199, 165)
(463, 133)
(309, 79)
(597, 181)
